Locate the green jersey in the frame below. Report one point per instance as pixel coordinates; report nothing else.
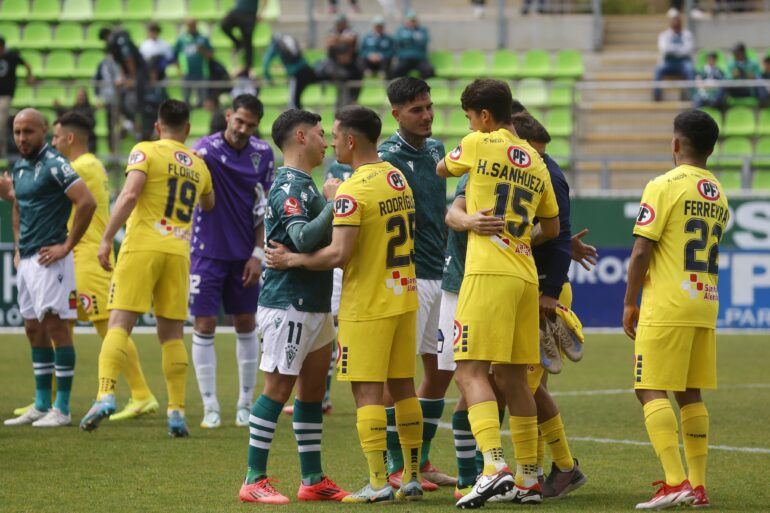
(337, 170)
(294, 198)
(456, 244)
(193, 62)
(419, 168)
(41, 184)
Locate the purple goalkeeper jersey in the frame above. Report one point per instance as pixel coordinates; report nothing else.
(227, 231)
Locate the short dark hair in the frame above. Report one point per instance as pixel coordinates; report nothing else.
(250, 103)
(2, 41)
(699, 129)
(406, 89)
(153, 27)
(174, 114)
(288, 121)
(491, 95)
(517, 107)
(104, 33)
(530, 129)
(77, 121)
(712, 55)
(362, 120)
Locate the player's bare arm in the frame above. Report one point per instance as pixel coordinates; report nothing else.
(546, 229)
(336, 254)
(482, 222)
(124, 205)
(6, 187)
(85, 206)
(253, 267)
(637, 270)
(442, 170)
(583, 253)
(207, 201)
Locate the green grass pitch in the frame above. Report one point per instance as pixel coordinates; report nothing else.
(134, 466)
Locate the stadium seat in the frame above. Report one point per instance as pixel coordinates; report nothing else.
(313, 55)
(439, 123)
(473, 64)
(175, 10)
(59, 64)
(108, 10)
(274, 96)
(44, 10)
(730, 180)
(100, 126)
(457, 124)
(740, 121)
(373, 94)
(35, 61)
(505, 64)
(49, 114)
(92, 41)
(47, 96)
(138, 32)
(537, 64)
(560, 151)
(443, 62)
(717, 115)
(226, 58)
(762, 153)
(138, 10)
(14, 10)
(68, 35)
(734, 152)
(11, 32)
(200, 121)
(206, 10)
(36, 35)
(319, 95)
(88, 61)
(218, 38)
(77, 10)
(440, 93)
(532, 92)
(24, 96)
(389, 125)
(763, 126)
(559, 122)
(102, 147)
(262, 35)
(761, 181)
(561, 94)
(568, 64)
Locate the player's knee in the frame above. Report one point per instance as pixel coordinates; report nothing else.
(206, 325)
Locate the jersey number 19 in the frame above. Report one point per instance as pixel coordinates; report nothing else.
(186, 198)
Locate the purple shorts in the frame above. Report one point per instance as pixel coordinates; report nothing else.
(218, 282)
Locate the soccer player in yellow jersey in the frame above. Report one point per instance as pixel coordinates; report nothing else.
(164, 183)
(674, 262)
(70, 137)
(373, 241)
(497, 314)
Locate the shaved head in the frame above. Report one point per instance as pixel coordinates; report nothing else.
(34, 116)
(29, 129)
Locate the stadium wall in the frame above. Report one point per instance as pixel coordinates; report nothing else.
(726, 31)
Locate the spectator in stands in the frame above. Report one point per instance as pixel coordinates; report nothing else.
(83, 107)
(218, 119)
(676, 8)
(478, 7)
(675, 46)
(377, 49)
(412, 48)
(353, 6)
(244, 17)
(742, 67)
(707, 94)
(10, 60)
(106, 76)
(192, 52)
(301, 75)
(342, 63)
(527, 5)
(134, 75)
(154, 95)
(154, 46)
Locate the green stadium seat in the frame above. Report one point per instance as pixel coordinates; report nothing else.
(200, 121)
(561, 94)
(226, 58)
(77, 10)
(262, 35)
(717, 115)
(206, 10)
(560, 150)
(734, 152)
(218, 38)
(473, 64)
(14, 10)
(138, 10)
(175, 92)
(11, 32)
(49, 95)
(23, 97)
(327, 121)
(59, 64)
(505, 64)
(559, 122)
(169, 30)
(102, 146)
(138, 32)
(762, 153)
(443, 62)
(747, 101)
(761, 181)
(45, 10)
(532, 92)
(740, 121)
(439, 123)
(274, 96)
(373, 94)
(101, 128)
(763, 126)
(108, 10)
(389, 125)
(49, 114)
(92, 41)
(68, 35)
(457, 124)
(568, 64)
(537, 64)
(730, 180)
(170, 10)
(35, 61)
(314, 55)
(36, 35)
(127, 144)
(440, 93)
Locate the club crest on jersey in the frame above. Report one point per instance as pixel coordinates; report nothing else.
(396, 180)
(344, 205)
(460, 337)
(708, 190)
(646, 215)
(256, 158)
(519, 157)
(291, 207)
(136, 157)
(455, 154)
(183, 158)
(85, 302)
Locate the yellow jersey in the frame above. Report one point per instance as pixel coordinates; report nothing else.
(380, 279)
(685, 212)
(92, 172)
(507, 175)
(162, 218)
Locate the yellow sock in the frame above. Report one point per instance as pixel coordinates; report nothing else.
(485, 425)
(409, 425)
(554, 435)
(174, 358)
(540, 452)
(112, 358)
(695, 433)
(132, 369)
(372, 426)
(524, 437)
(660, 420)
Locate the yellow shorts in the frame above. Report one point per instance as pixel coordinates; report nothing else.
(144, 278)
(93, 284)
(497, 320)
(675, 358)
(377, 350)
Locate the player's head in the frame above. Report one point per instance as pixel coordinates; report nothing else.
(29, 129)
(173, 120)
(517, 107)
(676, 24)
(191, 25)
(695, 135)
(299, 131)
(531, 130)
(243, 120)
(71, 132)
(412, 106)
(487, 104)
(711, 58)
(410, 20)
(355, 131)
(739, 52)
(153, 30)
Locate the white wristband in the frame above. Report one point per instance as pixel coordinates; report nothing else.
(258, 253)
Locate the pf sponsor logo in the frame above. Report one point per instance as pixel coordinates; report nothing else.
(291, 207)
(396, 180)
(455, 154)
(345, 205)
(136, 157)
(183, 158)
(646, 215)
(708, 190)
(519, 156)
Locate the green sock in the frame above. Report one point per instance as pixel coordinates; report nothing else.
(43, 366)
(431, 416)
(64, 359)
(465, 449)
(395, 456)
(308, 426)
(262, 430)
